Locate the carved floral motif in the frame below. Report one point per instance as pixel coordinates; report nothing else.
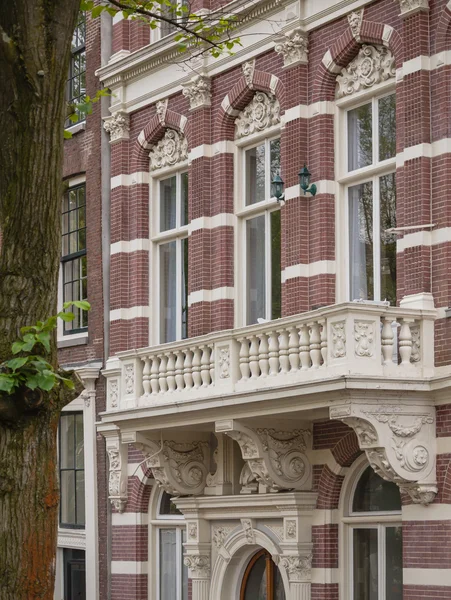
(224, 363)
(114, 393)
(372, 65)
(416, 344)
(118, 126)
(116, 485)
(262, 112)
(291, 529)
(248, 530)
(364, 338)
(299, 568)
(170, 150)
(293, 47)
(129, 379)
(198, 91)
(338, 339)
(219, 535)
(198, 564)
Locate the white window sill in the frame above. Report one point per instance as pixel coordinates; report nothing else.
(73, 129)
(77, 339)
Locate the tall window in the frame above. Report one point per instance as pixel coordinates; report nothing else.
(74, 574)
(261, 217)
(74, 265)
(173, 257)
(375, 539)
(371, 160)
(72, 470)
(173, 575)
(76, 83)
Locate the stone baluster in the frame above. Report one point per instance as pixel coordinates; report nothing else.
(315, 344)
(304, 348)
(154, 384)
(162, 380)
(283, 351)
(405, 341)
(205, 366)
(244, 358)
(188, 369)
(323, 326)
(273, 353)
(263, 362)
(197, 379)
(293, 348)
(146, 375)
(253, 358)
(179, 379)
(387, 341)
(212, 365)
(170, 376)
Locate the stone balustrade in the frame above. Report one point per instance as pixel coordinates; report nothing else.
(351, 339)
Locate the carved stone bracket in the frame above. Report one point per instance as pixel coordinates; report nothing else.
(409, 7)
(118, 126)
(399, 441)
(262, 112)
(88, 376)
(293, 46)
(198, 565)
(117, 479)
(180, 468)
(276, 459)
(170, 150)
(372, 65)
(299, 568)
(198, 91)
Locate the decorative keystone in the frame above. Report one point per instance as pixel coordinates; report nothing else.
(198, 91)
(399, 441)
(293, 46)
(118, 126)
(355, 23)
(248, 72)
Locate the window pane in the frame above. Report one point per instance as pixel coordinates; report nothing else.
(275, 157)
(387, 127)
(256, 582)
(168, 564)
(167, 507)
(375, 494)
(255, 175)
(184, 199)
(168, 292)
(361, 241)
(67, 432)
(360, 137)
(387, 185)
(184, 286)
(79, 445)
(365, 561)
(68, 497)
(74, 574)
(80, 492)
(168, 204)
(276, 269)
(279, 590)
(256, 269)
(393, 567)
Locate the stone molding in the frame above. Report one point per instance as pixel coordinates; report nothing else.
(180, 468)
(263, 111)
(293, 47)
(399, 441)
(372, 65)
(117, 479)
(118, 126)
(170, 150)
(410, 7)
(276, 459)
(198, 91)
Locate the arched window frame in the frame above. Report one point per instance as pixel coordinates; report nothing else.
(158, 522)
(346, 179)
(350, 520)
(244, 212)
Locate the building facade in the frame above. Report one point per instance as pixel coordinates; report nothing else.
(276, 415)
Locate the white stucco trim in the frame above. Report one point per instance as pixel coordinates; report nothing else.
(443, 447)
(429, 577)
(210, 150)
(221, 293)
(131, 246)
(320, 267)
(221, 220)
(126, 567)
(125, 180)
(433, 512)
(126, 518)
(126, 314)
(424, 238)
(325, 575)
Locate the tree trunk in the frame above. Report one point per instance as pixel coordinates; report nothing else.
(35, 42)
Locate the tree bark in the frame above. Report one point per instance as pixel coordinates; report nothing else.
(35, 42)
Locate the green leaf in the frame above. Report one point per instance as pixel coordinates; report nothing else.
(97, 10)
(78, 303)
(44, 338)
(30, 340)
(66, 316)
(68, 383)
(87, 5)
(17, 347)
(6, 383)
(45, 382)
(16, 363)
(67, 135)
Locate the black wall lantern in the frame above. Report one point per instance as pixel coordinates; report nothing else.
(304, 181)
(277, 188)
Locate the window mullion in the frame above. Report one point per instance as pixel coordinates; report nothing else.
(268, 265)
(178, 550)
(178, 285)
(375, 131)
(376, 240)
(381, 560)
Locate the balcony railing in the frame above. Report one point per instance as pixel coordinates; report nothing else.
(355, 339)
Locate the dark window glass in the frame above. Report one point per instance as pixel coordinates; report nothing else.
(74, 262)
(72, 473)
(262, 580)
(276, 268)
(74, 574)
(167, 507)
(375, 494)
(366, 565)
(76, 82)
(387, 195)
(393, 563)
(387, 127)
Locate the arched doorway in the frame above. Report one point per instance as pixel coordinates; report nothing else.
(262, 579)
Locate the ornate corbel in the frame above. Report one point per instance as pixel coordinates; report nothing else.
(293, 46)
(198, 565)
(198, 91)
(298, 567)
(399, 441)
(88, 376)
(180, 468)
(117, 479)
(276, 459)
(410, 7)
(118, 126)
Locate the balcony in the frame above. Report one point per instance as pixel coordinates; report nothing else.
(350, 340)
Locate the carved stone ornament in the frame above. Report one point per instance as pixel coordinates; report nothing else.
(291, 529)
(248, 529)
(399, 441)
(410, 6)
(198, 564)
(299, 568)
(372, 65)
(118, 126)
(276, 459)
(113, 393)
(293, 46)
(416, 344)
(364, 338)
(192, 531)
(117, 480)
(355, 23)
(170, 150)
(162, 107)
(338, 339)
(129, 376)
(224, 363)
(262, 112)
(220, 534)
(248, 72)
(198, 91)
(180, 468)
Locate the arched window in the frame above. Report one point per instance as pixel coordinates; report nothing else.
(374, 536)
(262, 580)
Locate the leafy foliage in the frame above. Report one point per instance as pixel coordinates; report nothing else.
(81, 109)
(33, 370)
